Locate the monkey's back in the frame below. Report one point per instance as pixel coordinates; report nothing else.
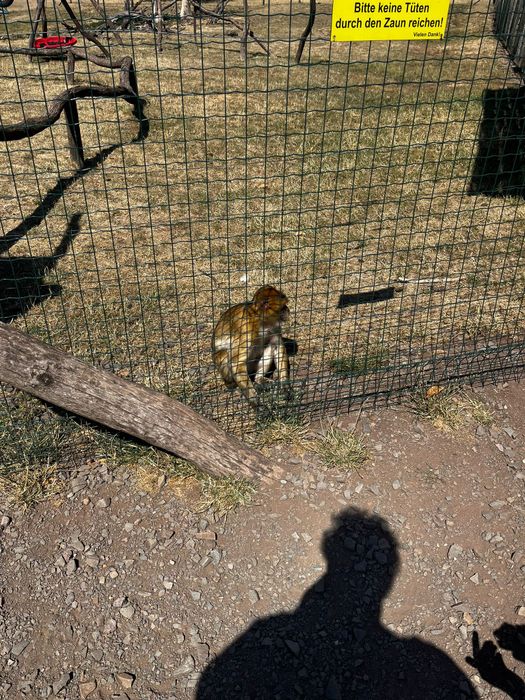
(235, 329)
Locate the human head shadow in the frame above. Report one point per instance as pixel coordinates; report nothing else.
(334, 645)
(490, 664)
(22, 283)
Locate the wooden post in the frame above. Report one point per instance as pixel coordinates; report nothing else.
(245, 32)
(306, 33)
(100, 396)
(38, 13)
(70, 72)
(73, 133)
(44, 19)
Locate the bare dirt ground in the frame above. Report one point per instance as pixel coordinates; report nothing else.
(331, 585)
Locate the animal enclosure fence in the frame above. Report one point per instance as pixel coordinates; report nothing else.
(509, 25)
(380, 185)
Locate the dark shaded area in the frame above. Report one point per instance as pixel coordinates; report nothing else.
(21, 279)
(333, 645)
(488, 661)
(499, 168)
(50, 199)
(366, 297)
(291, 349)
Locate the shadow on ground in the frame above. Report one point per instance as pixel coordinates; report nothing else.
(22, 283)
(488, 661)
(499, 168)
(333, 645)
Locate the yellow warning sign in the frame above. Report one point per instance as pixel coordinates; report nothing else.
(353, 20)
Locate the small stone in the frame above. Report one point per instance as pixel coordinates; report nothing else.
(186, 667)
(359, 488)
(475, 579)
(396, 485)
(293, 646)
(496, 505)
(521, 611)
(103, 502)
(61, 683)
(206, 535)
(306, 537)
(110, 626)
(86, 688)
(125, 679)
(71, 567)
(17, 649)
(127, 611)
(196, 595)
(202, 651)
(168, 585)
(60, 561)
(454, 551)
(253, 596)
(215, 556)
(5, 521)
(91, 560)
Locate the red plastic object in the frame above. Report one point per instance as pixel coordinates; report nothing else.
(54, 42)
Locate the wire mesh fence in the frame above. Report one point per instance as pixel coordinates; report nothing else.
(380, 185)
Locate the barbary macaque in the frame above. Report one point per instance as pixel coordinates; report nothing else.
(248, 344)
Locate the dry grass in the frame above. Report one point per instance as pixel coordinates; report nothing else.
(293, 433)
(40, 449)
(341, 174)
(340, 449)
(449, 408)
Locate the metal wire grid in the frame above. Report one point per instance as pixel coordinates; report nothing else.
(349, 173)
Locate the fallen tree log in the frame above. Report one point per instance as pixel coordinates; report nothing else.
(100, 396)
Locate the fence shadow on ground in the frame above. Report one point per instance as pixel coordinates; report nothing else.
(22, 283)
(334, 645)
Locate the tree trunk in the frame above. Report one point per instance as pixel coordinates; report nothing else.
(103, 397)
(186, 9)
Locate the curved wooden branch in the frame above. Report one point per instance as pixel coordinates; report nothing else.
(239, 26)
(306, 33)
(34, 125)
(66, 100)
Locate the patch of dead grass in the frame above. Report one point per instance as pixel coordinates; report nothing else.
(448, 407)
(340, 449)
